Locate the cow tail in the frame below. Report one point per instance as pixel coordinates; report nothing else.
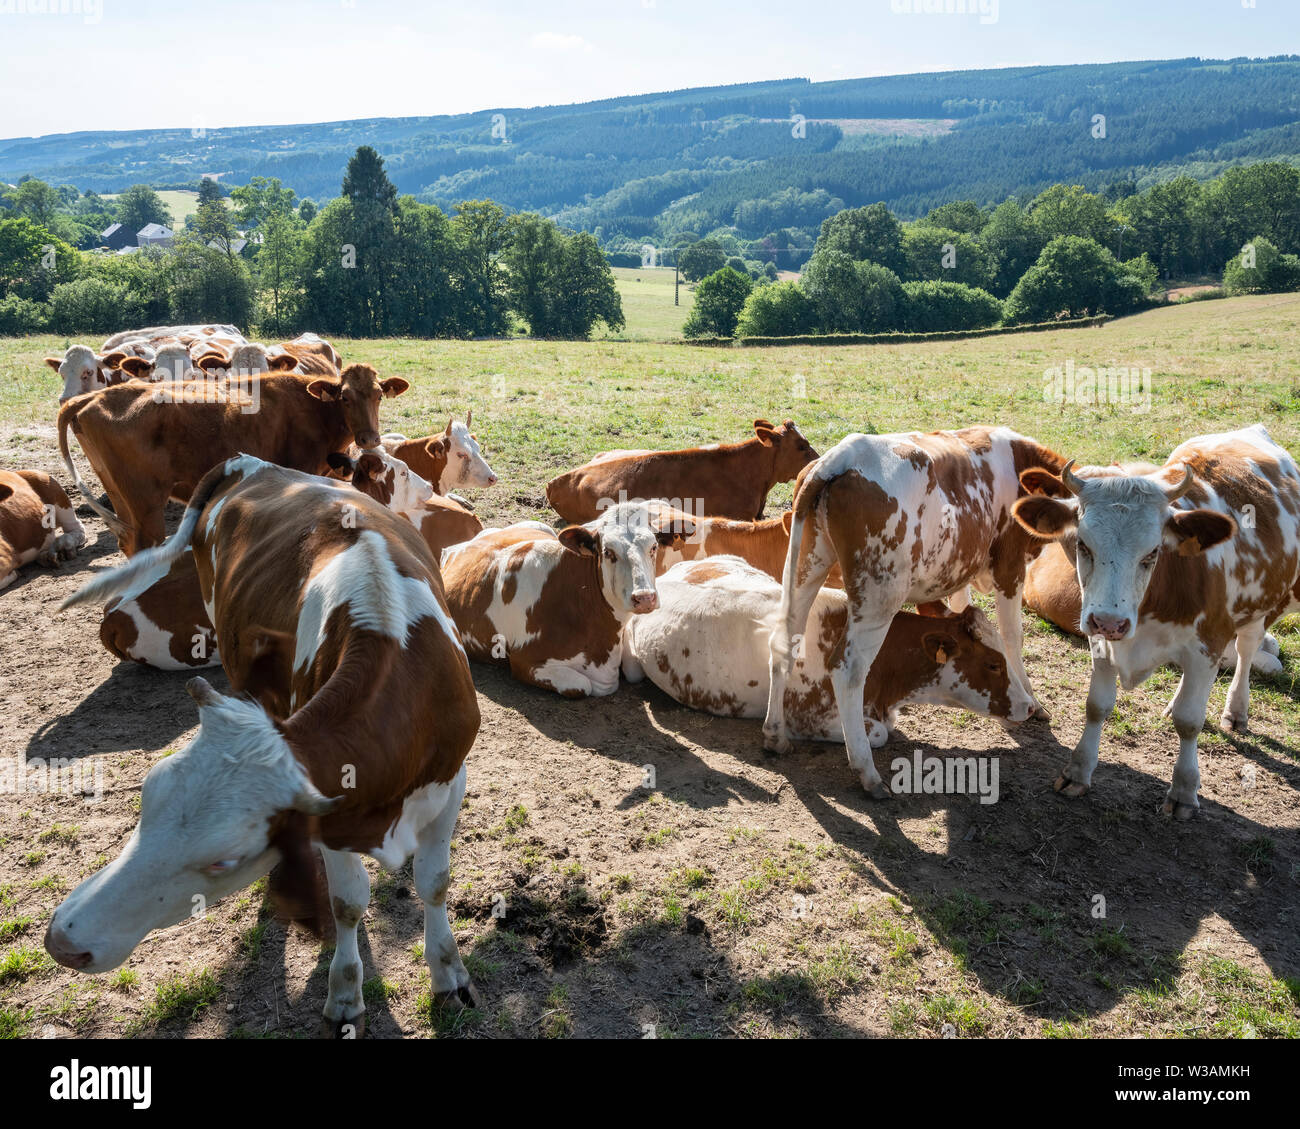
(68, 413)
(149, 566)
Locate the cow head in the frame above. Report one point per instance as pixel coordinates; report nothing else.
(970, 669)
(1120, 523)
(358, 392)
(466, 465)
(791, 450)
(383, 477)
(82, 371)
(208, 818)
(624, 540)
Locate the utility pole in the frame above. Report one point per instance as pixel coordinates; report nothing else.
(677, 281)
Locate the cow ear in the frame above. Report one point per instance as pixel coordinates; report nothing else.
(370, 465)
(1045, 517)
(938, 646)
(675, 532)
(281, 362)
(137, 367)
(579, 539)
(1190, 532)
(212, 361)
(324, 389)
(1037, 480)
(393, 386)
(337, 460)
(200, 689)
(437, 447)
(113, 360)
(5, 491)
(934, 609)
(54, 362)
(765, 431)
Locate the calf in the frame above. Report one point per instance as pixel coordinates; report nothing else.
(308, 355)
(724, 480)
(450, 460)
(147, 446)
(910, 518)
(37, 522)
(552, 606)
(363, 712)
(1172, 567)
(707, 647)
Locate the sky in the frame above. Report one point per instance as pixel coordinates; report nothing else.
(68, 65)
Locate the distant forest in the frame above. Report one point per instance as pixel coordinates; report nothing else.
(766, 162)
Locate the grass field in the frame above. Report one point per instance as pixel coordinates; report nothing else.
(647, 296)
(676, 906)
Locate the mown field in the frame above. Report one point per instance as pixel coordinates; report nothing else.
(743, 895)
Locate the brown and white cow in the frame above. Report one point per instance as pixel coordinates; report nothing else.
(307, 355)
(166, 626)
(1052, 591)
(132, 353)
(37, 523)
(1172, 567)
(148, 445)
(449, 460)
(363, 712)
(723, 480)
(910, 518)
(552, 606)
(707, 646)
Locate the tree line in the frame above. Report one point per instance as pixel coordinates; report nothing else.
(369, 263)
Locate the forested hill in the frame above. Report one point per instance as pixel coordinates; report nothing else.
(655, 166)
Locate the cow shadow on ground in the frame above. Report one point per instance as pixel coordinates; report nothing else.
(135, 707)
(1061, 907)
(627, 727)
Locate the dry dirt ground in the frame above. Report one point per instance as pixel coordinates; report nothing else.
(740, 895)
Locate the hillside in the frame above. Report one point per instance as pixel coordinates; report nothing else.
(655, 165)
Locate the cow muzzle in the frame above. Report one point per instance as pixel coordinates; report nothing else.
(63, 951)
(646, 600)
(1112, 627)
(367, 440)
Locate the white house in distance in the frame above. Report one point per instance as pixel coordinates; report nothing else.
(155, 235)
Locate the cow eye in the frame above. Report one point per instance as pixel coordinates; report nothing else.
(221, 866)
(1082, 548)
(1150, 558)
(610, 555)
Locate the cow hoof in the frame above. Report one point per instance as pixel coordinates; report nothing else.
(1179, 811)
(776, 743)
(460, 999)
(1041, 712)
(1071, 788)
(1230, 724)
(354, 1028)
(880, 791)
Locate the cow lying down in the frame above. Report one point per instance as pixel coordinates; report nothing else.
(707, 646)
(37, 522)
(552, 606)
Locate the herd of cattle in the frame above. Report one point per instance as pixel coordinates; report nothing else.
(343, 586)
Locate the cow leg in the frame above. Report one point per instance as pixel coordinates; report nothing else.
(797, 596)
(73, 536)
(1076, 776)
(958, 602)
(1188, 709)
(447, 975)
(1237, 706)
(849, 669)
(349, 896)
(1011, 630)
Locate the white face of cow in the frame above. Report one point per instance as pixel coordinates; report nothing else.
(466, 465)
(80, 370)
(204, 832)
(1121, 523)
(626, 538)
(973, 672)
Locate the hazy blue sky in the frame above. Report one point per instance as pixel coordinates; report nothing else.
(128, 64)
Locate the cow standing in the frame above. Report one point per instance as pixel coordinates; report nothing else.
(331, 616)
(1172, 567)
(148, 445)
(909, 518)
